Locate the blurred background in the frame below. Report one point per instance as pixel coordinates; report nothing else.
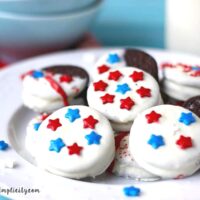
(131, 22)
(32, 27)
(35, 27)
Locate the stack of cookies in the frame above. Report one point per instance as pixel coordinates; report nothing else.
(181, 81)
(122, 126)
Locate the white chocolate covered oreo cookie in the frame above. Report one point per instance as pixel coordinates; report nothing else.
(124, 164)
(183, 74)
(178, 91)
(165, 140)
(181, 81)
(75, 142)
(54, 87)
(122, 93)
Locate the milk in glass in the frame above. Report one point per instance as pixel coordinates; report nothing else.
(183, 25)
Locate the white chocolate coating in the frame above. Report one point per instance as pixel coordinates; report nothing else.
(41, 105)
(40, 87)
(39, 95)
(178, 75)
(112, 110)
(168, 160)
(178, 91)
(93, 159)
(121, 126)
(125, 165)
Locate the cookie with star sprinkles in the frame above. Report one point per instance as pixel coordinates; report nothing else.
(124, 164)
(165, 141)
(53, 87)
(187, 85)
(75, 142)
(127, 57)
(32, 135)
(122, 93)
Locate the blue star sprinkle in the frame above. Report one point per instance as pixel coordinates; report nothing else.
(156, 141)
(187, 118)
(113, 58)
(3, 145)
(123, 88)
(36, 126)
(37, 74)
(56, 145)
(93, 138)
(196, 68)
(72, 114)
(131, 191)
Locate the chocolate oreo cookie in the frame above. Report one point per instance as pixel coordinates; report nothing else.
(141, 60)
(193, 104)
(69, 70)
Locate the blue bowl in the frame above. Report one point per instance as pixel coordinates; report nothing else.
(22, 36)
(43, 7)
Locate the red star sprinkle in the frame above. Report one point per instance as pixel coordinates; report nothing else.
(54, 124)
(187, 69)
(90, 122)
(184, 142)
(75, 149)
(107, 98)
(195, 74)
(100, 86)
(144, 92)
(114, 75)
(152, 117)
(137, 76)
(127, 103)
(66, 79)
(102, 69)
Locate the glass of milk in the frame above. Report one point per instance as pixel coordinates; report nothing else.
(183, 25)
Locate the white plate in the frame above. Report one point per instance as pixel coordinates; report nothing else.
(13, 121)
